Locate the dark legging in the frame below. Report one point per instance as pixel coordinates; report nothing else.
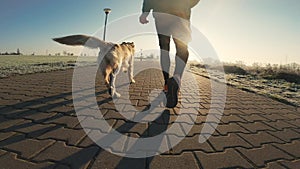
(181, 58)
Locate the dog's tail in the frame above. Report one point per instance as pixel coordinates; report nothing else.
(82, 40)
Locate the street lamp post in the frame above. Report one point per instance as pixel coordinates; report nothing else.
(107, 11)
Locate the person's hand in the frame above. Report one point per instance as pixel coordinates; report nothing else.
(143, 18)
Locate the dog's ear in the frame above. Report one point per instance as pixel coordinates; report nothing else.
(81, 40)
(132, 44)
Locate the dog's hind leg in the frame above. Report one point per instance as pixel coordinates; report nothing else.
(130, 70)
(106, 75)
(112, 82)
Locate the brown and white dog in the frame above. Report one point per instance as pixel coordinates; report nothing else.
(112, 57)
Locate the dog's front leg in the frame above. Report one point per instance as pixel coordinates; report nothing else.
(130, 75)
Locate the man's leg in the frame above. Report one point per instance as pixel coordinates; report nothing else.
(164, 43)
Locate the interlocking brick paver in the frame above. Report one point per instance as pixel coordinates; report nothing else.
(10, 160)
(70, 136)
(260, 138)
(275, 165)
(253, 118)
(291, 115)
(233, 112)
(231, 118)
(200, 119)
(5, 110)
(291, 164)
(203, 111)
(227, 159)
(113, 114)
(273, 117)
(86, 142)
(2, 152)
(29, 147)
(68, 155)
(18, 113)
(286, 135)
(256, 126)
(295, 122)
(109, 160)
(174, 162)
(8, 102)
(291, 148)
(195, 130)
(39, 127)
(260, 156)
(31, 129)
(68, 121)
(69, 110)
(297, 130)
(225, 129)
(190, 144)
(4, 136)
(155, 129)
(61, 166)
(6, 123)
(130, 127)
(16, 137)
(247, 112)
(39, 117)
(220, 143)
(280, 125)
(92, 123)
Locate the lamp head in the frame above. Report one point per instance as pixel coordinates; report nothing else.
(107, 10)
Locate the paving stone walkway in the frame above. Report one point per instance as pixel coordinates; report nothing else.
(39, 127)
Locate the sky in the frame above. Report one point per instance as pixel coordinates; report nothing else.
(264, 31)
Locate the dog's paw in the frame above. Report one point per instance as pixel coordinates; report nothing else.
(116, 95)
(124, 69)
(132, 81)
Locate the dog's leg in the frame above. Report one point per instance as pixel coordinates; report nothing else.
(125, 66)
(130, 70)
(106, 74)
(112, 81)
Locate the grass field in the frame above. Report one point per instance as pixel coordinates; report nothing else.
(280, 82)
(10, 65)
